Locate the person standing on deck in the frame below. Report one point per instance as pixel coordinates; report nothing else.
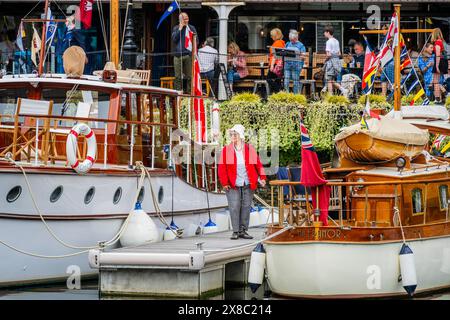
(182, 59)
(333, 64)
(239, 168)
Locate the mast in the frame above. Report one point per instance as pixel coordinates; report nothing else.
(397, 76)
(114, 31)
(44, 40)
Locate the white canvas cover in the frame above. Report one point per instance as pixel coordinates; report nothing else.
(388, 129)
(423, 112)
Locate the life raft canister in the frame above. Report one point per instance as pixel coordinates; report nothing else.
(72, 147)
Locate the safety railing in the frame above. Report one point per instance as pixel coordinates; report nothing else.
(305, 212)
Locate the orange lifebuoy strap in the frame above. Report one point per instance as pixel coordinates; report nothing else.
(76, 164)
(90, 134)
(90, 159)
(74, 133)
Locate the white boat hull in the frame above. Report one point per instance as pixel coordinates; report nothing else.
(334, 270)
(83, 225)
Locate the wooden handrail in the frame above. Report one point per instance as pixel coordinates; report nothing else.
(101, 120)
(356, 183)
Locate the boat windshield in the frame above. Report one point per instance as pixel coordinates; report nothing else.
(8, 102)
(78, 103)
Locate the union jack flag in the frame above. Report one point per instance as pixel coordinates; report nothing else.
(306, 141)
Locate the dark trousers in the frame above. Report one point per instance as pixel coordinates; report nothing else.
(183, 70)
(239, 204)
(274, 82)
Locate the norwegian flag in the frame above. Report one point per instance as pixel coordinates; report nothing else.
(386, 53)
(311, 176)
(199, 107)
(188, 38)
(86, 13)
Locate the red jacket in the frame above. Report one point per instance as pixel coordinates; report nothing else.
(228, 166)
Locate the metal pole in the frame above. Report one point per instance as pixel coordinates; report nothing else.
(170, 149)
(44, 40)
(105, 146)
(131, 146)
(153, 147)
(397, 93)
(215, 170)
(36, 151)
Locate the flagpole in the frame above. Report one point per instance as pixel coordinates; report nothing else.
(397, 93)
(43, 40)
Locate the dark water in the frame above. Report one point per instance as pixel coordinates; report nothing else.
(89, 291)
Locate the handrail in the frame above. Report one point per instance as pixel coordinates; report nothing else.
(101, 120)
(356, 183)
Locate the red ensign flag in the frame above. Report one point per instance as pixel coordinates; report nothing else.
(86, 13)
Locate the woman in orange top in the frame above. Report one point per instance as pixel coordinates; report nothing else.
(275, 73)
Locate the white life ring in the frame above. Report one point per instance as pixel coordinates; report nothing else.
(72, 146)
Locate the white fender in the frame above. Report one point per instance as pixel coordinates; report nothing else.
(215, 121)
(264, 216)
(254, 217)
(408, 269)
(72, 146)
(210, 227)
(140, 229)
(256, 270)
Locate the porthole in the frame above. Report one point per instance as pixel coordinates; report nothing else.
(56, 194)
(160, 194)
(89, 195)
(117, 195)
(14, 194)
(141, 195)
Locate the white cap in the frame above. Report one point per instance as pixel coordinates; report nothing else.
(239, 128)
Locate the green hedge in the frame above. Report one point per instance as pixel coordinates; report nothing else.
(282, 111)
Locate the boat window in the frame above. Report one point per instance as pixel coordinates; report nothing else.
(117, 195)
(14, 194)
(141, 195)
(66, 103)
(160, 194)
(89, 195)
(8, 103)
(443, 197)
(56, 194)
(417, 201)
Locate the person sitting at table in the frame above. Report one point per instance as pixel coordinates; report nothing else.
(237, 65)
(275, 64)
(208, 58)
(293, 66)
(358, 59)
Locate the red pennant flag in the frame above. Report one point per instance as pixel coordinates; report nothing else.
(311, 176)
(86, 13)
(199, 107)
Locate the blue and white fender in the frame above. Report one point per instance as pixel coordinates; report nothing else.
(257, 265)
(408, 269)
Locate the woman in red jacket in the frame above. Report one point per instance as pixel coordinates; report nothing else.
(239, 168)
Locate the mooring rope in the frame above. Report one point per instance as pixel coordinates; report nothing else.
(110, 242)
(273, 235)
